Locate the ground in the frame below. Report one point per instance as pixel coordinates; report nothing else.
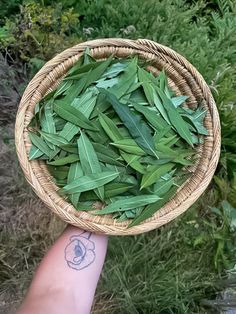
(24, 220)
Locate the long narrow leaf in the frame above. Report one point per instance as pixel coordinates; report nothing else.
(73, 115)
(126, 79)
(176, 119)
(129, 146)
(35, 153)
(154, 173)
(153, 117)
(89, 182)
(40, 144)
(129, 203)
(74, 173)
(110, 128)
(133, 162)
(55, 139)
(65, 160)
(153, 208)
(139, 131)
(89, 160)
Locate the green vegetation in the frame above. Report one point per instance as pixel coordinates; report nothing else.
(176, 268)
(148, 145)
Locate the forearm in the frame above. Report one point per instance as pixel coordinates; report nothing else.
(69, 272)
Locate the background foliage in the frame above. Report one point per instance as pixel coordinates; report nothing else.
(175, 269)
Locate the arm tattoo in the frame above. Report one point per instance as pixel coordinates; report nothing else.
(80, 252)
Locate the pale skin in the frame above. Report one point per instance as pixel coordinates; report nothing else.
(67, 277)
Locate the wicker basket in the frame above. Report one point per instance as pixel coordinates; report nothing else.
(183, 79)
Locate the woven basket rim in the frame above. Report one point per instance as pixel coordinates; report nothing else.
(189, 80)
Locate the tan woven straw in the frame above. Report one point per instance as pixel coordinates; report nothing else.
(182, 77)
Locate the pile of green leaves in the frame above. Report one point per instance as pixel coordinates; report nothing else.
(114, 133)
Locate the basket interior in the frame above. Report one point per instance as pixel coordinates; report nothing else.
(180, 79)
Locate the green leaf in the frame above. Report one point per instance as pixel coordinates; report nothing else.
(73, 115)
(148, 91)
(75, 172)
(123, 131)
(197, 119)
(87, 58)
(145, 76)
(101, 106)
(176, 155)
(55, 139)
(176, 120)
(103, 157)
(128, 203)
(40, 144)
(113, 189)
(160, 107)
(101, 132)
(178, 100)
(153, 117)
(60, 183)
(89, 160)
(75, 90)
(110, 128)
(129, 146)
(162, 78)
(125, 178)
(86, 102)
(69, 131)
(139, 131)
(148, 83)
(89, 182)
(35, 153)
(153, 161)
(70, 148)
(88, 196)
(138, 97)
(97, 137)
(115, 69)
(151, 209)
(230, 213)
(59, 173)
(84, 207)
(99, 148)
(97, 72)
(154, 173)
(85, 105)
(78, 69)
(47, 120)
(160, 135)
(107, 83)
(59, 123)
(63, 86)
(126, 79)
(167, 141)
(163, 186)
(64, 161)
(133, 162)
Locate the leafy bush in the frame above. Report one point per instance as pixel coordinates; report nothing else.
(39, 31)
(9, 7)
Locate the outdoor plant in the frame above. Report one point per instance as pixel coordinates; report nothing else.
(39, 31)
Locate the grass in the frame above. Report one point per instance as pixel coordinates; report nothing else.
(174, 269)
(162, 270)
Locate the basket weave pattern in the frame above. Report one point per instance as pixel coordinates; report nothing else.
(183, 78)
